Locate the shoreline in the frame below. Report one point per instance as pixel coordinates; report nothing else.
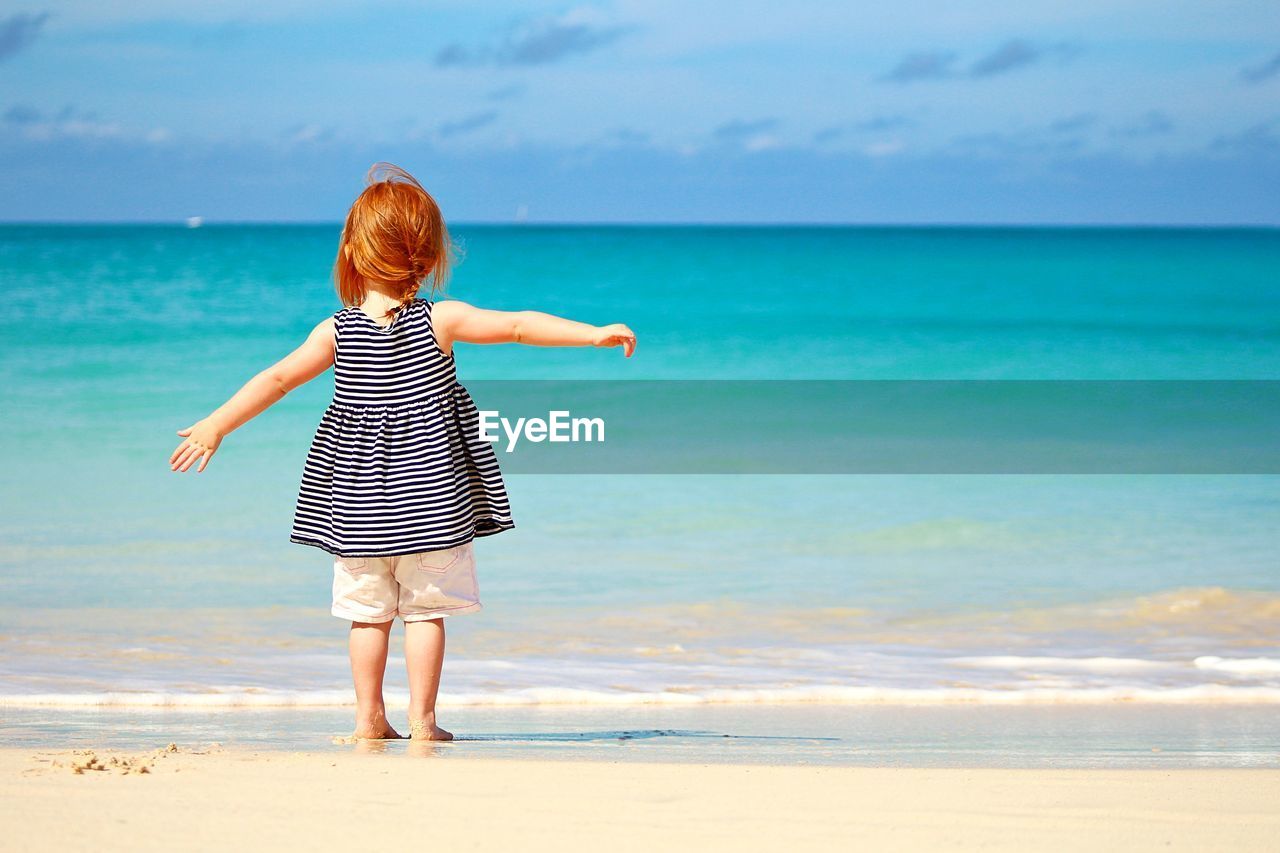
(1119, 735)
(225, 797)
(1211, 696)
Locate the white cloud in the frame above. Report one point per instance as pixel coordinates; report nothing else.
(762, 142)
(883, 148)
(36, 125)
(306, 133)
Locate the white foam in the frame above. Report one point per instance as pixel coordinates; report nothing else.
(1239, 666)
(203, 700)
(1094, 664)
(816, 694)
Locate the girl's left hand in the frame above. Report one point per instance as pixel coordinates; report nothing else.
(202, 441)
(614, 336)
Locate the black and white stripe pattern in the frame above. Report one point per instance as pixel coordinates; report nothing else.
(397, 465)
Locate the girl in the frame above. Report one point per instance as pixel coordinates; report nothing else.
(398, 481)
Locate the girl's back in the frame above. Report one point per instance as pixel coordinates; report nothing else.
(388, 364)
(397, 464)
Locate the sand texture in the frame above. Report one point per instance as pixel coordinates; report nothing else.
(433, 799)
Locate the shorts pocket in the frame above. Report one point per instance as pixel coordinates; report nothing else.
(440, 561)
(427, 591)
(354, 565)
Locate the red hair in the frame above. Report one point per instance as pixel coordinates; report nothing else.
(394, 233)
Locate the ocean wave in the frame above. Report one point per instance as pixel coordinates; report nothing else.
(815, 694)
(1239, 666)
(1048, 663)
(1205, 644)
(1187, 604)
(1192, 612)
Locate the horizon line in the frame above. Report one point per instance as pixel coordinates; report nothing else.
(184, 224)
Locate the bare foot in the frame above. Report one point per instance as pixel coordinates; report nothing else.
(380, 732)
(427, 730)
(375, 728)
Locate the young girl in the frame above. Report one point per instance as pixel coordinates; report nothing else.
(398, 481)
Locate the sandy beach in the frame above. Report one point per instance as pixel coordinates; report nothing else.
(408, 795)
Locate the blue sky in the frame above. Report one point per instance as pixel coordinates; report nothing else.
(1048, 112)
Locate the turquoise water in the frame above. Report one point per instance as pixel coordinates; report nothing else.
(124, 584)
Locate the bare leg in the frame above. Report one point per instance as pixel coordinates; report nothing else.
(368, 645)
(424, 656)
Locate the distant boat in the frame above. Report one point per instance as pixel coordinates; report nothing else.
(195, 221)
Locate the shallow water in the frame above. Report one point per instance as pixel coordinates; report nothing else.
(126, 585)
(901, 736)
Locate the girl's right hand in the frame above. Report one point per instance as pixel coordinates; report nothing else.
(201, 442)
(614, 336)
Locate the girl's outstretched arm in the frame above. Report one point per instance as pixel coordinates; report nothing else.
(458, 321)
(201, 439)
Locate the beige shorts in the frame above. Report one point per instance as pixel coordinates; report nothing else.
(413, 586)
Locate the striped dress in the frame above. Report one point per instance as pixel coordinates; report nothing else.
(397, 465)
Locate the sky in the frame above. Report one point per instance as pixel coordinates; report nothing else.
(1089, 112)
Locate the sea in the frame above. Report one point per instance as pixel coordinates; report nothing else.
(1048, 619)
